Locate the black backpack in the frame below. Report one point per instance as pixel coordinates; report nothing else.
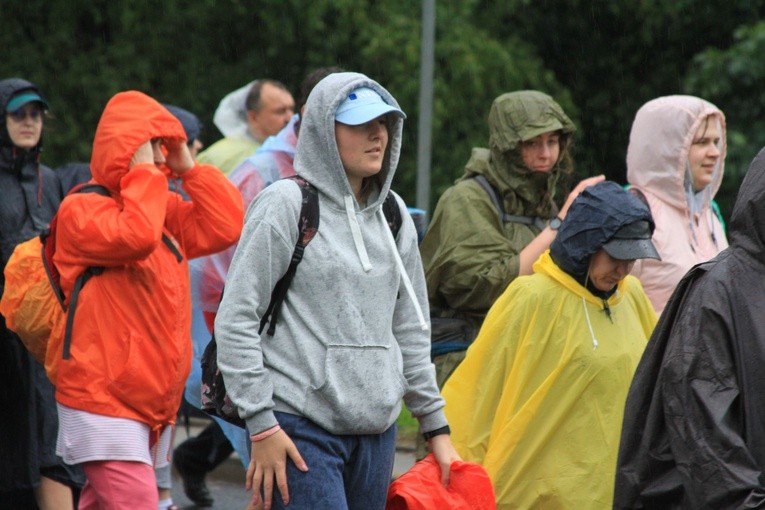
(215, 400)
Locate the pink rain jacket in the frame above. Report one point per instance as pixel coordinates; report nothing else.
(660, 140)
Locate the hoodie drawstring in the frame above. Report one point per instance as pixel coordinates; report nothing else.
(404, 276)
(589, 324)
(361, 250)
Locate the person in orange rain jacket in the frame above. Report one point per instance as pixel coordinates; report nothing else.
(120, 384)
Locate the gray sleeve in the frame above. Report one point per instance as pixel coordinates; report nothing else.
(261, 258)
(422, 397)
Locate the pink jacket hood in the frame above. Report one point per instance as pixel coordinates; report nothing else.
(660, 140)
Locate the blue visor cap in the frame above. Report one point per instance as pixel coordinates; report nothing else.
(363, 105)
(24, 98)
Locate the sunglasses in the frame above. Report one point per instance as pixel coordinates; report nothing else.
(21, 114)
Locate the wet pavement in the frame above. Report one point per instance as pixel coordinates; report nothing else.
(226, 482)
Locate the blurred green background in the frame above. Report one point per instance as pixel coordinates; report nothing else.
(600, 59)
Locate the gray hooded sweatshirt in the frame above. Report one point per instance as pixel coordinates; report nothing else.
(351, 340)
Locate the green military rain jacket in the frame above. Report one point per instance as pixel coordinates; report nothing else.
(469, 255)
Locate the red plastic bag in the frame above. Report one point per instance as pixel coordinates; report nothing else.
(420, 488)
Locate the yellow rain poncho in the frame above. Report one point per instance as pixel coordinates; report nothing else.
(540, 397)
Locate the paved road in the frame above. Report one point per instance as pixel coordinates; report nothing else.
(227, 481)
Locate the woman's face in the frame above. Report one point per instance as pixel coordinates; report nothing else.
(25, 125)
(704, 153)
(362, 147)
(541, 152)
(606, 272)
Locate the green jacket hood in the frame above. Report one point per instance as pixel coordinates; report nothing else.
(515, 117)
(518, 116)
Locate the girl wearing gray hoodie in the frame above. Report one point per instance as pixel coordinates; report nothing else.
(352, 340)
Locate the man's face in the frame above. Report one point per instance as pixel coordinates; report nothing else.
(276, 109)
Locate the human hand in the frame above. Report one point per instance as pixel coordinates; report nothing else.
(178, 158)
(584, 183)
(253, 506)
(269, 460)
(444, 452)
(143, 154)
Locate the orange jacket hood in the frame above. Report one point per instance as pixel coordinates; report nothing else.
(129, 119)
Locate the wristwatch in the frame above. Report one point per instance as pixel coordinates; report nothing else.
(433, 433)
(555, 223)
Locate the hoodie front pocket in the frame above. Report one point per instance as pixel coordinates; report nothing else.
(361, 392)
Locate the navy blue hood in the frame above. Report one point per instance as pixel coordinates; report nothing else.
(8, 89)
(592, 220)
(190, 122)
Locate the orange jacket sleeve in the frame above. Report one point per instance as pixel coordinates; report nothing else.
(94, 230)
(213, 219)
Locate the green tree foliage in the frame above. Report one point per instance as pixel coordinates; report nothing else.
(615, 56)
(600, 59)
(192, 54)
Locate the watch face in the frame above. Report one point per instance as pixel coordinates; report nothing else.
(555, 223)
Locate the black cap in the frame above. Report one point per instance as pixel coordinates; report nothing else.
(632, 241)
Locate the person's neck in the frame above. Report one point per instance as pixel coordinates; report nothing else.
(356, 185)
(257, 136)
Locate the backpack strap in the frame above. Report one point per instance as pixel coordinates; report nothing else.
(47, 257)
(540, 223)
(49, 248)
(78, 284)
(493, 195)
(392, 213)
(308, 224)
(46, 243)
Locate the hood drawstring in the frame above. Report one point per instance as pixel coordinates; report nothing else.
(589, 324)
(587, 314)
(361, 250)
(404, 276)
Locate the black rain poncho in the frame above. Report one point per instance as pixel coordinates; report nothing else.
(30, 194)
(694, 425)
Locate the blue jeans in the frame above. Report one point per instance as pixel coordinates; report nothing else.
(344, 472)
